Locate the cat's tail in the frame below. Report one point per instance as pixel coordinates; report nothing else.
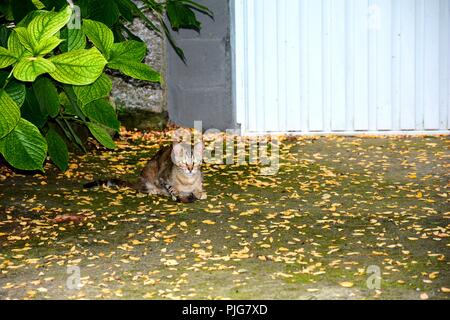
(109, 183)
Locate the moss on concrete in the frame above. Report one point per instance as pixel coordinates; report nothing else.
(336, 207)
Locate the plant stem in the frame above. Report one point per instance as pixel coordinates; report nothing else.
(74, 135)
(8, 79)
(73, 119)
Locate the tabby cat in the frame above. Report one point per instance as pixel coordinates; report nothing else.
(174, 171)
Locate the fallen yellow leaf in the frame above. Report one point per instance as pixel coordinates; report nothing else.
(433, 275)
(346, 284)
(424, 296)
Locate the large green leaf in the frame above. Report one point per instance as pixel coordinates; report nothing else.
(29, 68)
(15, 46)
(29, 17)
(181, 16)
(100, 35)
(38, 4)
(126, 9)
(100, 10)
(31, 110)
(70, 133)
(74, 107)
(101, 135)
(24, 38)
(5, 10)
(74, 39)
(9, 114)
(197, 6)
(4, 35)
(24, 147)
(78, 67)
(47, 25)
(103, 112)
(99, 89)
(67, 104)
(54, 4)
(16, 91)
(129, 50)
(3, 76)
(7, 58)
(135, 69)
(57, 149)
(46, 46)
(47, 96)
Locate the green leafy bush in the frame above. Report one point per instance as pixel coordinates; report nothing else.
(52, 77)
(51, 81)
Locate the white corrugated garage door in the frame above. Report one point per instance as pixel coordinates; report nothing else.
(342, 65)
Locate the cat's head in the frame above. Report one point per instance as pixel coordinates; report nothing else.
(188, 158)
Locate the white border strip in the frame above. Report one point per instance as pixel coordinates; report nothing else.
(351, 133)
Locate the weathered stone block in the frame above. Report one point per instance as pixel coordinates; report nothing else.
(131, 94)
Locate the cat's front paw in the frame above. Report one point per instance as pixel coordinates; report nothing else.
(187, 199)
(200, 195)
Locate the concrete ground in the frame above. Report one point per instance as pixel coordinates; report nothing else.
(341, 214)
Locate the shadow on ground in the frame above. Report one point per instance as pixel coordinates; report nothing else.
(337, 207)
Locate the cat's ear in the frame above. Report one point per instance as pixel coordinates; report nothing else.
(177, 153)
(198, 150)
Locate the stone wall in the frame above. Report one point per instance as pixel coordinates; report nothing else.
(139, 100)
(201, 89)
(198, 90)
